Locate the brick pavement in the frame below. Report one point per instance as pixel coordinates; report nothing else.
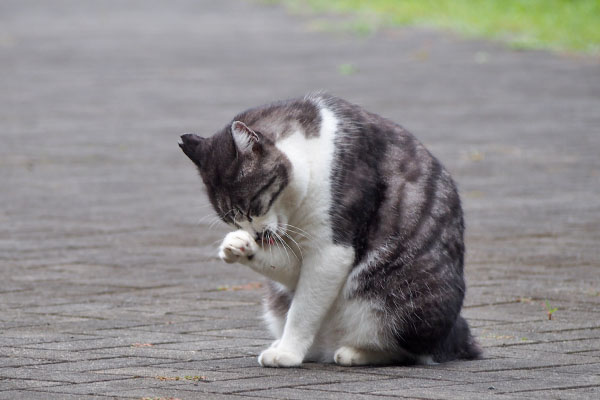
(111, 286)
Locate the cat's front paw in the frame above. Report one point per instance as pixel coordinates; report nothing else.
(274, 357)
(237, 246)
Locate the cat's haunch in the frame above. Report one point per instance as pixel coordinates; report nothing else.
(357, 226)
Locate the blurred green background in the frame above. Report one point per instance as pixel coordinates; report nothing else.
(559, 25)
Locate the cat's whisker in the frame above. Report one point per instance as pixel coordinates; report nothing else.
(218, 219)
(227, 213)
(296, 228)
(270, 247)
(296, 243)
(203, 208)
(213, 223)
(287, 235)
(304, 237)
(298, 231)
(286, 245)
(276, 242)
(211, 220)
(205, 217)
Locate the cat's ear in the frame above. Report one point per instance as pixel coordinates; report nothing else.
(192, 144)
(245, 138)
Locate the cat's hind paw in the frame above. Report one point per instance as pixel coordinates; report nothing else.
(273, 357)
(237, 246)
(348, 356)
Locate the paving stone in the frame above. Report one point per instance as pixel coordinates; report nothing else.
(52, 355)
(42, 395)
(173, 372)
(582, 346)
(106, 387)
(382, 384)
(108, 362)
(216, 344)
(225, 363)
(448, 392)
(302, 393)
(7, 384)
(546, 379)
(46, 373)
(22, 361)
(181, 355)
(259, 333)
(430, 373)
(172, 393)
(241, 386)
(567, 394)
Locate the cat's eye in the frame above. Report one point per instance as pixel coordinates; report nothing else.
(255, 209)
(263, 189)
(240, 212)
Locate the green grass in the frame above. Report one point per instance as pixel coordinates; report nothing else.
(563, 25)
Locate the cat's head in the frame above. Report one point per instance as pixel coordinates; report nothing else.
(245, 175)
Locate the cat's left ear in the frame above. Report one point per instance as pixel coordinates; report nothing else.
(245, 138)
(192, 145)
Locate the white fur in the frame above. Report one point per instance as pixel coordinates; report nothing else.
(349, 356)
(325, 265)
(237, 245)
(275, 264)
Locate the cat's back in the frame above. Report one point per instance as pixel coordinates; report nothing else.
(280, 119)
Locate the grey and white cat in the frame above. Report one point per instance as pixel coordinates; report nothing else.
(357, 226)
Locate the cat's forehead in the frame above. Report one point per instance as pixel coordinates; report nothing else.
(231, 174)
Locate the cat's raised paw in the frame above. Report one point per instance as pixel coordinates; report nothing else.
(237, 246)
(273, 357)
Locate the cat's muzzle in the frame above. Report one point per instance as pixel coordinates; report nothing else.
(264, 238)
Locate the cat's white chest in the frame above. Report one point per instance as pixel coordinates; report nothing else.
(308, 198)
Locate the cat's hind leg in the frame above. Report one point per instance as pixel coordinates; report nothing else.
(276, 305)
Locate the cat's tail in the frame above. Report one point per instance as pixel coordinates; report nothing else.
(459, 344)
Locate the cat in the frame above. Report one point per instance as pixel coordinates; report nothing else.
(357, 226)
